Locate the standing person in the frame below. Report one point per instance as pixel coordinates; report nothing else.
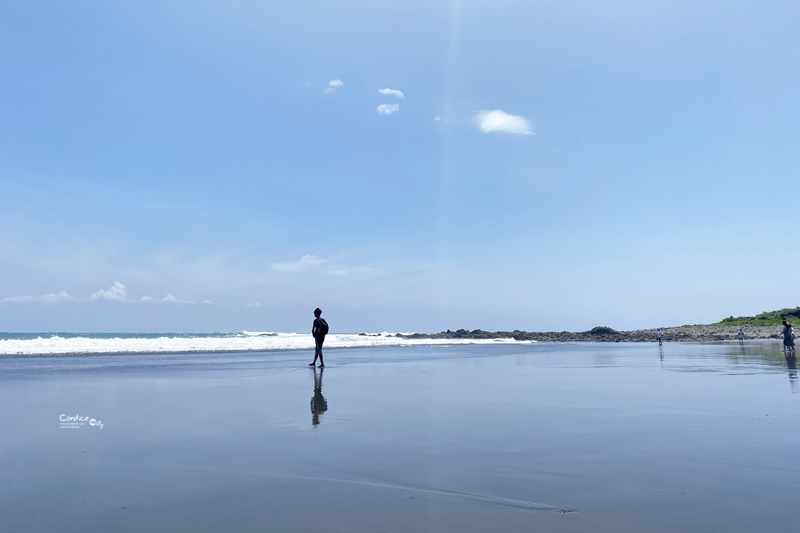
(788, 340)
(741, 336)
(660, 336)
(318, 331)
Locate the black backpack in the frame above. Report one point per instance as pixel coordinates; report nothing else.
(322, 326)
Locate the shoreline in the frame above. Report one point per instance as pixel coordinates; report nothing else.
(606, 334)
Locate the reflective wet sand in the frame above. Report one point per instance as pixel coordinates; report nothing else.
(546, 437)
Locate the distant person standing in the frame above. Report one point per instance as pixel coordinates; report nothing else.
(741, 336)
(788, 339)
(318, 331)
(660, 336)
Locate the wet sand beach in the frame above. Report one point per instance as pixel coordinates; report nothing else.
(512, 437)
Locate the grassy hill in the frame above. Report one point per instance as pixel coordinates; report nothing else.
(770, 318)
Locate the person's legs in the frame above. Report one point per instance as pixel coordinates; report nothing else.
(320, 340)
(317, 352)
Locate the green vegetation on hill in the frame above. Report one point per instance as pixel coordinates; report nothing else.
(771, 318)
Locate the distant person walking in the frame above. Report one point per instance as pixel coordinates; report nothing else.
(741, 336)
(788, 340)
(660, 336)
(318, 331)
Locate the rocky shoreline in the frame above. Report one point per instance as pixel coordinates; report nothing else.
(606, 334)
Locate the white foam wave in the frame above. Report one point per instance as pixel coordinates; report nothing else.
(249, 342)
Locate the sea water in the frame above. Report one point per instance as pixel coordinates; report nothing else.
(240, 341)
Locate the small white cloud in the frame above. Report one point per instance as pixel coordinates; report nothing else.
(304, 264)
(388, 109)
(207, 302)
(20, 299)
(55, 296)
(171, 299)
(391, 92)
(146, 299)
(260, 304)
(437, 118)
(349, 271)
(501, 122)
(47, 298)
(333, 85)
(116, 292)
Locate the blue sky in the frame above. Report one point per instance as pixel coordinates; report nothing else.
(420, 165)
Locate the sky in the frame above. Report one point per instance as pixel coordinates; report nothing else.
(202, 166)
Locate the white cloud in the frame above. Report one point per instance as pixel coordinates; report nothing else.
(333, 85)
(116, 292)
(388, 109)
(259, 304)
(48, 298)
(171, 299)
(21, 299)
(349, 271)
(501, 122)
(146, 299)
(437, 118)
(56, 296)
(391, 92)
(304, 264)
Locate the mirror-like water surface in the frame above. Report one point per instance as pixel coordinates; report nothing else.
(560, 437)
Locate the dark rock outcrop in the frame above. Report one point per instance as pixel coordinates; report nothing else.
(607, 334)
(603, 330)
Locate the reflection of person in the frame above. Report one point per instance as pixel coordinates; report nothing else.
(792, 365)
(660, 336)
(741, 336)
(318, 402)
(318, 330)
(788, 340)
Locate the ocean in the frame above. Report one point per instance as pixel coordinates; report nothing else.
(60, 343)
